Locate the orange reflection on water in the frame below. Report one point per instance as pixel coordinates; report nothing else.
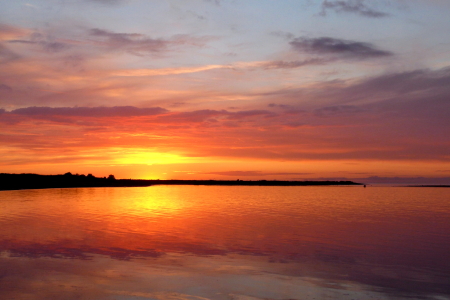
(379, 236)
(347, 223)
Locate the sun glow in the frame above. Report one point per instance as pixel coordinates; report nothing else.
(148, 157)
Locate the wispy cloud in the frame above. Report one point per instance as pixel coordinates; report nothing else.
(5, 88)
(162, 115)
(337, 130)
(116, 111)
(7, 55)
(9, 32)
(265, 65)
(46, 42)
(130, 41)
(340, 47)
(139, 44)
(209, 115)
(337, 110)
(105, 1)
(352, 6)
(167, 71)
(216, 2)
(280, 64)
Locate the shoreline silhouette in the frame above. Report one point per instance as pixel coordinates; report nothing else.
(36, 181)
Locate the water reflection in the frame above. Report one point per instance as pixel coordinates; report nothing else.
(323, 239)
(174, 277)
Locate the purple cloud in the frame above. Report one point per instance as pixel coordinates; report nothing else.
(427, 81)
(47, 42)
(106, 1)
(337, 110)
(198, 116)
(132, 41)
(5, 88)
(192, 116)
(333, 46)
(352, 6)
(250, 113)
(138, 44)
(7, 55)
(216, 2)
(279, 64)
(284, 106)
(116, 111)
(47, 46)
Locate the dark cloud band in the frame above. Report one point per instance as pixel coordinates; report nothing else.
(116, 111)
(333, 46)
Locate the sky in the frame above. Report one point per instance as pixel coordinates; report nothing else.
(226, 89)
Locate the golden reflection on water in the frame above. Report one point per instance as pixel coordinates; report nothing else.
(386, 237)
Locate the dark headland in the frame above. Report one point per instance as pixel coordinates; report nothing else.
(68, 180)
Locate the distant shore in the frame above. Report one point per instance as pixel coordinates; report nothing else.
(68, 180)
(431, 185)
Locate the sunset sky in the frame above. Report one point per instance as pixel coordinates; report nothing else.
(225, 89)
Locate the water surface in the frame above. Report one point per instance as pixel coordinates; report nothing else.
(220, 242)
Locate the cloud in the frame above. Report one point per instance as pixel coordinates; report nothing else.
(408, 83)
(139, 44)
(414, 93)
(283, 34)
(294, 64)
(8, 31)
(236, 66)
(284, 106)
(352, 6)
(337, 110)
(198, 116)
(46, 42)
(216, 2)
(333, 46)
(167, 71)
(116, 111)
(192, 116)
(400, 116)
(5, 88)
(132, 41)
(417, 92)
(105, 1)
(7, 55)
(162, 117)
(250, 113)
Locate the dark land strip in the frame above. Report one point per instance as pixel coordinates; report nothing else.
(68, 180)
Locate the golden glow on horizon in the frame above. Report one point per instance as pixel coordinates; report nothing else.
(147, 157)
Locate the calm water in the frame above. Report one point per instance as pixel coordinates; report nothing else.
(219, 242)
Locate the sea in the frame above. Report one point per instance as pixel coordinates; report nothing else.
(225, 242)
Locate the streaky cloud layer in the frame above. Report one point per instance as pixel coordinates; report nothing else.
(289, 89)
(327, 45)
(122, 111)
